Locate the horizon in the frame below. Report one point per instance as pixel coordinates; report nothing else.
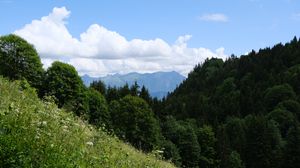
(145, 73)
(101, 38)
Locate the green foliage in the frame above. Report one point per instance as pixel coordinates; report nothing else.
(284, 118)
(235, 131)
(63, 82)
(263, 142)
(292, 76)
(170, 129)
(112, 94)
(171, 152)
(134, 121)
(223, 146)
(292, 106)
(188, 146)
(98, 109)
(235, 160)
(250, 101)
(207, 141)
(38, 134)
(134, 89)
(124, 91)
(292, 150)
(277, 94)
(19, 60)
(144, 94)
(183, 135)
(99, 86)
(230, 95)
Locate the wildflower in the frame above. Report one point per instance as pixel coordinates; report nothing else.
(90, 143)
(159, 151)
(65, 128)
(44, 123)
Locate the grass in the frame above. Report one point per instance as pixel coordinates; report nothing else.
(35, 133)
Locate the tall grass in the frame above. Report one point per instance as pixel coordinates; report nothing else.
(36, 133)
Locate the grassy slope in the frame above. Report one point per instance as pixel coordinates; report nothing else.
(38, 134)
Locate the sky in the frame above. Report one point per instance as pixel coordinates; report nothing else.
(101, 37)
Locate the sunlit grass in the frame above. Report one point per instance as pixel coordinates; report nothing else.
(38, 134)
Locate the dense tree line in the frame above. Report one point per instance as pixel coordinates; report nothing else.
(242, 112)
(251, 103)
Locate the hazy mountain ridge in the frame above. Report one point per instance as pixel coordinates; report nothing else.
(158, 83)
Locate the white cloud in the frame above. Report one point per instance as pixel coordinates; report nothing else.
(100, 51)
(214, 17)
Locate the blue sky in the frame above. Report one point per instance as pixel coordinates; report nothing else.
(236, 26)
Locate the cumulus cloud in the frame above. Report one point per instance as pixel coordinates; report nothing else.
(100, 51)
(214, 17)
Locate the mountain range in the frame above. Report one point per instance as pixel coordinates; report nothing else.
(158, 83)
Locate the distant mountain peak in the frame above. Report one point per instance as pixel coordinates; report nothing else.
(158, 83)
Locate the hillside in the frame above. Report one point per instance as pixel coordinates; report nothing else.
(252, 104)
(38, 134)
(237, 86)
(158, 83)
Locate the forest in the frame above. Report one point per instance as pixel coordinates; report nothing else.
(242, 112)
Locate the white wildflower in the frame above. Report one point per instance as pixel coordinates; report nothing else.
(44, 123)
(90, 143)
(159, 151)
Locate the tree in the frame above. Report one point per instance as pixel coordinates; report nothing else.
(292, 76)
(226, 97)
(170, 129)
(223, 145)
(247, 96)
(124, 91)
(284, 119)
(19, 60)
(188, 146)
(207, 142)
(263, 143)
(235, 131)
(134, 121)
(277, 94)
(99, 86)
(290, 105)
(262, 86)
(292, 149)
(63, 82)
(144, 94)
(134, 89)
(112, 94)
(235, 160)
(184, 136)
(171, 152)
(98, 109)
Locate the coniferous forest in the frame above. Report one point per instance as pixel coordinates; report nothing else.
(242, 112)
